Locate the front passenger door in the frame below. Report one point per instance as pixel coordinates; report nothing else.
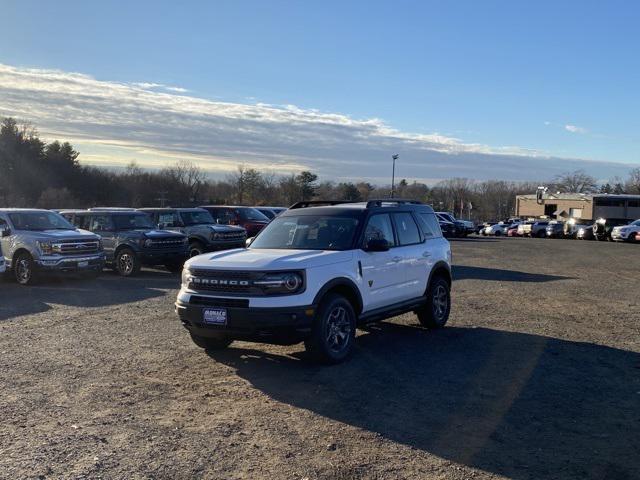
(381, 271)
(103, 225)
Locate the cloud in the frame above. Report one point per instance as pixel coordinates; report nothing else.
(112, 123)
(575, 129)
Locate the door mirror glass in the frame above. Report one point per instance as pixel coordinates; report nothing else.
(5, 231)
(377, 245)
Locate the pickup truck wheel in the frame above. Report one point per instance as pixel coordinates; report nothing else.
(196, 248)
(333, 332)
(436, 311)
(127, 263)
(541, 234)
(24, 269)
(212, 343)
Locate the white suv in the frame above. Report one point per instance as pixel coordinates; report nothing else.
(626, 232)
(316, 272)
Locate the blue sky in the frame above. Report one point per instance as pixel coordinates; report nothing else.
(557, 78)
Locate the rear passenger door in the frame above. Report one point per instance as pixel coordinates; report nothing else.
(414, 252)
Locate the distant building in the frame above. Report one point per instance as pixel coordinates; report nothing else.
(563, 206)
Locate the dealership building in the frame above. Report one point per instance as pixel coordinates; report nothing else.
(563, 206)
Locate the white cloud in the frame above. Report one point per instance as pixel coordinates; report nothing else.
(112, 123)
(575, 129)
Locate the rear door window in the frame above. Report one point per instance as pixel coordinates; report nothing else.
(429, 225)
(406, 228)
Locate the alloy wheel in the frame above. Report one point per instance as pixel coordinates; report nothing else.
(440, 302)
(338, 329)
(23, 270)
(125, 263)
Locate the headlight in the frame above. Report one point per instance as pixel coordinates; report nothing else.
(215, 236)
(281, 282)
(147, 243)
(45, 247)
(186, 277)
(601, 220)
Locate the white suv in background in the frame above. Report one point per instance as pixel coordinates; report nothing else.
(317, 272)
(626, 232)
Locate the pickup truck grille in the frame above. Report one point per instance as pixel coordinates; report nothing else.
(76, 247)
(232, 236)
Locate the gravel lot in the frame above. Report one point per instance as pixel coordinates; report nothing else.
(537, 376)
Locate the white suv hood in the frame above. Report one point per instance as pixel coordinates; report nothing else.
(267, 259)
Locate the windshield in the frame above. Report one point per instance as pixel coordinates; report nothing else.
(39, 221)
(132, 221)
(251, 214)
(636, 223)
(308, 232)
(197, 218)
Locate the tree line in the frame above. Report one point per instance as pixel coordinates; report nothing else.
(34, 173)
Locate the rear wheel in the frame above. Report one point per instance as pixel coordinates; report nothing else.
(24, 269)
(127, 263)
(498, 233)
(212, 343)
(541, 234)
(435, 312)
(333, 332)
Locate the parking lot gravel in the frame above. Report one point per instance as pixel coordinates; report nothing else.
(537, 376)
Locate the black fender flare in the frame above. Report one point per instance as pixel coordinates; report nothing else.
(341, 282)
(439, 267)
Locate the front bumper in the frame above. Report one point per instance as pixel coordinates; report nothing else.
(65, 263)
(161, 257)
(617, 235)
(282, 325)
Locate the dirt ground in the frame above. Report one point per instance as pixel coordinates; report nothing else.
(537, 376)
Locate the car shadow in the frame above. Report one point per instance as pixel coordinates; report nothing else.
(473, 239)
(519, 405)
(77, 291)
(465, 272)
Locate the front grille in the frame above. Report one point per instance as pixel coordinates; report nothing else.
(227, 281)
(232, 236)
(76, 247)
(167, 243)
(220, 302)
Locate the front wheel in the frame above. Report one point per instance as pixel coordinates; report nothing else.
(24, 269)
(196, 248)
(333, 332)
(435, 312)
(127, 263)
(212, 343)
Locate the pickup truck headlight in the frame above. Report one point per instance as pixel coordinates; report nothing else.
(281, 282)
(147, 243)
(45, 247)
(186, 276)
(215, 236)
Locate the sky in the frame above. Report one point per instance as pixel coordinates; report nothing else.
(512, 90)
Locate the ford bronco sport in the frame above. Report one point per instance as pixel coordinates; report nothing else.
(37, 241)
(205, 235)
(318, 271)
(131, 240)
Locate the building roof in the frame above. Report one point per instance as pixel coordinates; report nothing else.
(559, 196)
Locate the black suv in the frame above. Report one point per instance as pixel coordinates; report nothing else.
(205, 235)
(131, 240)
(602, 227)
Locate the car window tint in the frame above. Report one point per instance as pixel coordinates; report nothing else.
(169, 219)
(379, 227)
(429, 225)
(100, 223)
(407, 229)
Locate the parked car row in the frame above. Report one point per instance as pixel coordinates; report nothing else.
(35, 241)
(601, 229)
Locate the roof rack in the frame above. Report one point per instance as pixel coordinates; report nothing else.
(398, 201)
(317, 203)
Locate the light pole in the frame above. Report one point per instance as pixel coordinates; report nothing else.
(393, 173)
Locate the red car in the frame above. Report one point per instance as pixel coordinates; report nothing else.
(247, 217)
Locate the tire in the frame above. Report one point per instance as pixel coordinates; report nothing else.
(174, 267)
(436, 311)
(498, 233)
(127, 263)
(541, 234)
(333, 332)
(196, 248)
(211, 344)
(24, 269)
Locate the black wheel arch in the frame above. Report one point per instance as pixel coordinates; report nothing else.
(441, 269)
(19, 252)
(343, 286)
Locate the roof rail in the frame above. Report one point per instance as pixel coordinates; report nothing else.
(317, 203)
(398, 201)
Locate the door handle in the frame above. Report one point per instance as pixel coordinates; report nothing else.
(396, 259)
(426, 254)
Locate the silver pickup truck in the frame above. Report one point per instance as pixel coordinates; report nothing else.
(37, 241)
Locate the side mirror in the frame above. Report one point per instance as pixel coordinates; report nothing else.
(376, 245)
(5, 232)
(249, 241)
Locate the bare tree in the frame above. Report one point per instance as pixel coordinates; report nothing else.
(575, 182)
(633, 182)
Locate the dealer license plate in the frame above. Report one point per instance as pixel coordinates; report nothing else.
(215, 316)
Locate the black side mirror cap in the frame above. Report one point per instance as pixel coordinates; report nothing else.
(376, 245)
